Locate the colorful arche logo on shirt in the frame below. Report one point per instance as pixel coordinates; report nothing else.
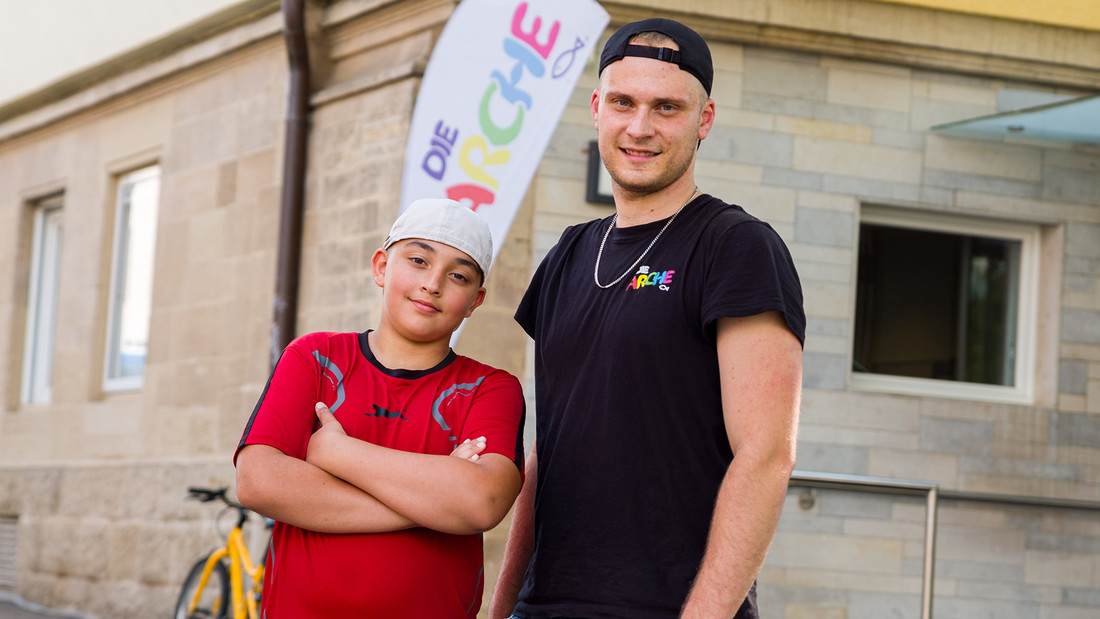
(644, 278)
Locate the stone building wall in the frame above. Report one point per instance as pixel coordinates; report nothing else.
(113, 539)
(96, 481)
(216, 133)
(807, 140)
(858, 555)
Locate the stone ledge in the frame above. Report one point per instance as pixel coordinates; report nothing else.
(939, 40)
(124, 76)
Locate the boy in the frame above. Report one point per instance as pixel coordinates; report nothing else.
(383, 455)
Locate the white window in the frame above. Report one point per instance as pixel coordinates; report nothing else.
(945, 306)
(132, 279)
(42, 302)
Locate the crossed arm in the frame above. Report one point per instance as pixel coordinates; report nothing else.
(337, 488)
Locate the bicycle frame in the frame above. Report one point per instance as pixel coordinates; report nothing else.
(240, 565)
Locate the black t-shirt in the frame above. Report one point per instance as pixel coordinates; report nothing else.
(630, 434)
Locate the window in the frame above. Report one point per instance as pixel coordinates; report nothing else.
(9, 544)
(42, 302)
(132, 279)
(945, 306)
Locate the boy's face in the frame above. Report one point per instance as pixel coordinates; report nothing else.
(427, 288)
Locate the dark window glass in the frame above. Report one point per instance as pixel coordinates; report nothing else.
(936, 305)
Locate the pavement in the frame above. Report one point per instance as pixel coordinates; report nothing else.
(15, 607)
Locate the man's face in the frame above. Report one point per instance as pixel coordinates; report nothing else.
(649, 116)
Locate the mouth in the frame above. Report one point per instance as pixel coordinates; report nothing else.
(424, 306)
(638, 154)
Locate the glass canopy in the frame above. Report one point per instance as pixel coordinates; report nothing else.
(1075, 120)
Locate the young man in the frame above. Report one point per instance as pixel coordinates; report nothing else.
(668, 371)
(383, 455)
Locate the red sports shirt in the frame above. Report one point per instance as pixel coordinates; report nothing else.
(413, 573)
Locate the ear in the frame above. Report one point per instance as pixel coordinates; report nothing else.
(378, 263)
(478, 300)
(706, 118)
(595, 105)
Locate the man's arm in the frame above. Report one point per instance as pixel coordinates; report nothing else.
(760, 362)
(519, 548)
(452, 495)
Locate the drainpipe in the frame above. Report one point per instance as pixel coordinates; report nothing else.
(292, 202)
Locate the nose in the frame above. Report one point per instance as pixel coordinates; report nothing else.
(433, 282)
(640, 124)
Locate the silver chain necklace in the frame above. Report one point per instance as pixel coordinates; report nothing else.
(596, 272)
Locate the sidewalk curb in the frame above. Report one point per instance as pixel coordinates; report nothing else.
(30, 607)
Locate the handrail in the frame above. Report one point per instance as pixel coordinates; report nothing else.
(932, 493)
(1018, 499)
(864, 483)
(840, 480)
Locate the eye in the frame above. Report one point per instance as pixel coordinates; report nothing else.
(460, 277)
(417, 260)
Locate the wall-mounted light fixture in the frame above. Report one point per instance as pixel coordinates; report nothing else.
(598, 185)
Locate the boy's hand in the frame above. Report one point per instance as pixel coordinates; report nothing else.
(329, 432)
(470, 449)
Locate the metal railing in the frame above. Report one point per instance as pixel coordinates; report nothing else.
(928, 489)
(932, 493)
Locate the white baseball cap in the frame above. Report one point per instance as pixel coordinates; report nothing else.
(445, 221)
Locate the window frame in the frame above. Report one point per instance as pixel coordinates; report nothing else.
(1027, 307)
(42, 306)
(115, 384)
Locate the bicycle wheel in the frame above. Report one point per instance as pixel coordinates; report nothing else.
(214, 599)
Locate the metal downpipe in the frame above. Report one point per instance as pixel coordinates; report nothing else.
(292, 202)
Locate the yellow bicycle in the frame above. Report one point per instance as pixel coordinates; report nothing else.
(238, 582)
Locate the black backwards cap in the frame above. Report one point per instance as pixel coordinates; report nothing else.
(693, 55)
